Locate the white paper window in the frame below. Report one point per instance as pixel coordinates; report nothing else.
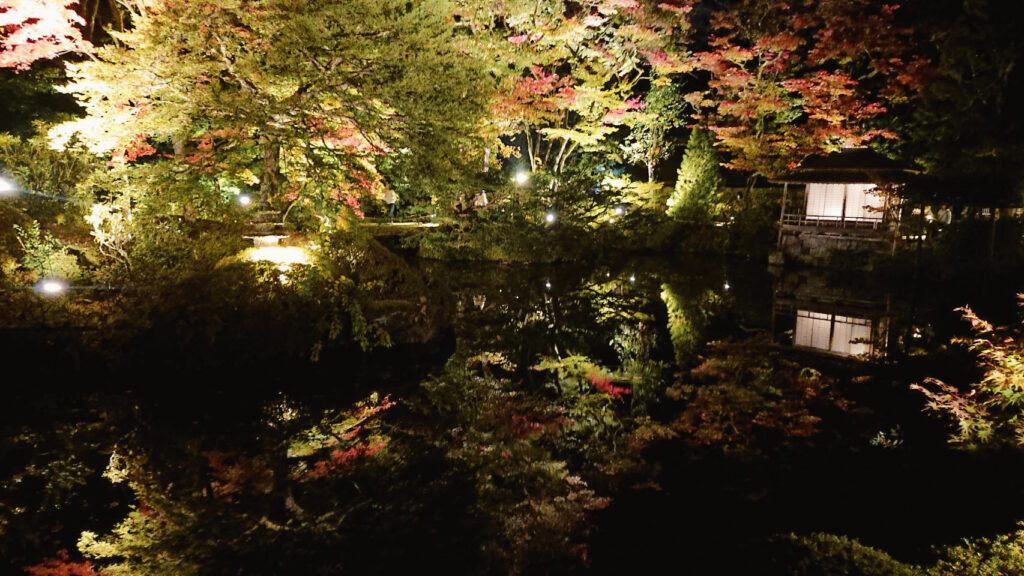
(838, 201)
(851, 336)
(813, 330)
(825, 201)
(864, 202)
(842, 335)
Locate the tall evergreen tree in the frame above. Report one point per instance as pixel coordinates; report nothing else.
(699, 180)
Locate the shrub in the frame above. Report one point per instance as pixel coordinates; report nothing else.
(45, 256)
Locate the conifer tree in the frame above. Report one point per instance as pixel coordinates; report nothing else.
(699, 180)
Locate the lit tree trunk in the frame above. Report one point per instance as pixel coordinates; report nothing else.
(178, 142)
(271, 181)
(547, 153)
(529, 149)
(116, 15)
(92, 10)
(561, 154)
(536, 145)
(650, 170)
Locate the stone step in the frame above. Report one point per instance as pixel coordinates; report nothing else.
(266, 216)
(264, 228)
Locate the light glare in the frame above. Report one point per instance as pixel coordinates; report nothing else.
(52, 286)
(280, 255)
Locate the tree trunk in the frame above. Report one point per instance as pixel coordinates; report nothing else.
(536, 145)
(178, 142)
(92, 9)
(561, 153)
(547, 153)
(529, 149)
(650, 171)
(116, 15)
(271, 181)
(751, 180)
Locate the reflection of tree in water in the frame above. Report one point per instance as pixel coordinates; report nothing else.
(689, 314)
(744, 398)
(486, 471)
(51, 454)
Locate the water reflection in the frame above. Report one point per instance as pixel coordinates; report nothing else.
(847, 319)
(516, 408)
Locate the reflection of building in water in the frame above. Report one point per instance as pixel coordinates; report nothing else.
(843, 335)
(810, 314)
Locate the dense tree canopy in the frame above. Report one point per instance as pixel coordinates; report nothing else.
(788, 79)
(314, 109)
(298, 101)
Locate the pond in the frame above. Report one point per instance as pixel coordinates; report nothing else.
(597, 417)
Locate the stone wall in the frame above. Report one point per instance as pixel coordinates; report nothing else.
(816, 248)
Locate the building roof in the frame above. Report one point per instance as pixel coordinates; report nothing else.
(848, 166)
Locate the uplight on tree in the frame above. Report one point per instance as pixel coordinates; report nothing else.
(550, 217)
(244, 199)
(521, 178)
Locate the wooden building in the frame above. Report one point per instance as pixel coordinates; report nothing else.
(843, 201)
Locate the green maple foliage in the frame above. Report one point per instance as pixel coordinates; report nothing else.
(298, 102)
(576, 70)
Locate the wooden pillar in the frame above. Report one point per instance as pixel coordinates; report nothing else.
(842, 213)
(782, 214)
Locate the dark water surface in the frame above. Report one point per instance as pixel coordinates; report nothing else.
(589, 417)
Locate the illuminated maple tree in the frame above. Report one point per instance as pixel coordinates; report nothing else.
(576, 69)
(32, 30)
(790, 79)
(299, 101)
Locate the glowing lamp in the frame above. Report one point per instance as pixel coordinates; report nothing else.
(619, 211)
(547, 284)
(6, 186)
(727, 286)
(280, 255)
(244, 199)
(521, 177)
(632, 278)
(52, 287)
(550, 217)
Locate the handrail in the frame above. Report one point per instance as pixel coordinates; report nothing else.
(829, 222)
